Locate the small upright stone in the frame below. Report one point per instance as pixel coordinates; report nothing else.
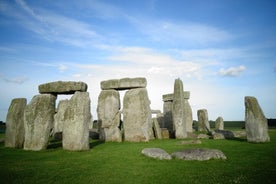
(38, 121)
(167, 111)
(59, 118)
(75, 135)
(203, 121)
(255, 121)
(14, 136)
(62, 87)
(219, 124)
(178, 110)
(188, 114)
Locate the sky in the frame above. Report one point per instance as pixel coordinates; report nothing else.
(222, 50)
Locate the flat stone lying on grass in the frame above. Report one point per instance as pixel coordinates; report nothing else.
(199, 154)
(203, 136)
(157, 153)
(223, 134)
(190, 142)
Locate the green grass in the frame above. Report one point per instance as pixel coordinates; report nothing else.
(124, 163)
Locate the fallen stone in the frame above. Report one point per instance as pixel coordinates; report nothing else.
(156, 153)
(203, 136)
(15, 132)
(62, 87)
(199, 154)
(239, 134)
(255, 122)
(124, 83)
(227, 134)
(38, 121)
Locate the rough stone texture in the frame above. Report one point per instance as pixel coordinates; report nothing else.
(219, 124)
(199, 154)
(189, 142)
(203, 121)
(38, 121)
(255, 122)
(168, 97)
(62, 87)
(165, 133)
(77, 117)
(178, 111)
(124, 83)
(239, 134)
(157, 129)
(59, 118)
(203, 136)
(227, 134)
(167, 112)
(188, 114)
(137, 115)
(156, 153)
(109, 116)
(14, 136)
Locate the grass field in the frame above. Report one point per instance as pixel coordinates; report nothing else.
(124, 163)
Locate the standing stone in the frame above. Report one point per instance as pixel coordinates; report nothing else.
(157, 129)
(188, 112)
(255, 121)
(137, 115)
(38, 121)
(178, 111)
(219, 124)
(109, 115)
(14, 136)
(59, 118)
(167, 111)
(75, 135)
(203, 121)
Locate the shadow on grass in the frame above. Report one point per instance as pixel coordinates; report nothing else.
(54, 144)
(95, 143)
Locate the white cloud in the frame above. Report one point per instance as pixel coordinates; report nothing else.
(62, 67)
(232, 71)
(17, 80)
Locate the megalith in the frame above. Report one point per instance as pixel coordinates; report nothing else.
(137, 115)
(188, 114)
(14, 136)
(75, 136)
(59, 118)
(255, 121)
(167, 112)
(156, 128)
(124, 83)
(62, 87)
(178, 111)
(38, 121)
(109, 116)
(219, 124)
(203, 121)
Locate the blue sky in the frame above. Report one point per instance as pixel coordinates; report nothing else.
(222, 50)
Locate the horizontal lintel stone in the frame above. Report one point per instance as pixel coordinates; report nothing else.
(62, 87)
(124, 83)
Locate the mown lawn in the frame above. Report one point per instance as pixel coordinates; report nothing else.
(124, 163)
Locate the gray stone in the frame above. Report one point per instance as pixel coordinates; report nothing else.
(255, 122)
(137, 116)
(178, 111)
(15, 132)
(59, 118)
(203, 136)
(156, 153)
(165, 133)
(239, 134)
(168, 97)
(124, 83)
(186, 95)
(38, 121)
(203, 121)
(75, 135)
(62, 87)
(109, 116)
(167, 113)
(199, 154)
(188, 114)
(157, 129)
(190, 142)
(227, 134)
(219, 124)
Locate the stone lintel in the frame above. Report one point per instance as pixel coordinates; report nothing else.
(62, 87)
(124, 83)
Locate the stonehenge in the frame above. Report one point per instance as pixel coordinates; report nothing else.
(30, 126)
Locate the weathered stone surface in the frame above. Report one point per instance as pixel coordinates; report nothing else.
(59, 118)
(109, 116)
(157, 129)
(186, 95)
(239, 134)
(156, 153)
(167, 113)
(165, 133)
(124, 83)
(255, 122)
(199, 154)
(137, 115)
(62, 87)
(189, 142)
(188, 115)
(227, 134)
(75, 135)
(15, 132)
(203, 121)
(38, 121)
(219, 124)
(178, 111)
(203, 136)
(168, 97)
